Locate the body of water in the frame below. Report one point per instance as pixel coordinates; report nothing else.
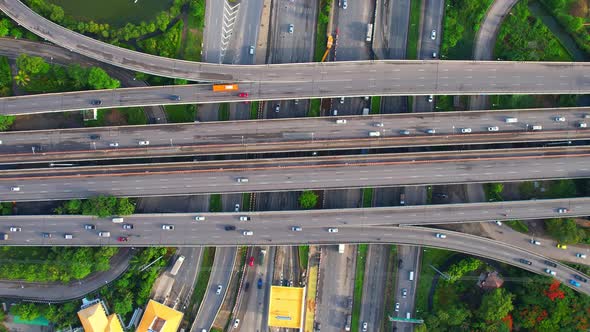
(115, 12)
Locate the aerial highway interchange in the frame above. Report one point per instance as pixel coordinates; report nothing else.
(551, 127)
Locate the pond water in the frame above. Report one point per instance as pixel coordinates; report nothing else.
(115, 12)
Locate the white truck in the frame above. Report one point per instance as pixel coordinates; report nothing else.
(341, 248)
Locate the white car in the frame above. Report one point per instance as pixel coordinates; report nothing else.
(582, 256)
(104, 234)
(15, 189)
(431, 131)
(559, 119)
(433, 35)
(341, 100)
(237, 208)
(465, 130)
(562, 210)
(551, 272)
(168, 227)
(365, 326)
(378, 124)
(582, 125)
(332, 230)
(219, 289)
(114, 144)
(236, 323)
(15, 229)
(245, 218)
(430, 98)
(144, 142)
(242, 180)
(493, 128)
(397, 306)
(441, 236)
(404, 132)
(498, 222)
(296, 229)
(535, 242)
(199, 218)
(247, 233)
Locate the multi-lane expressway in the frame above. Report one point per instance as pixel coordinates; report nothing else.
(259, 175)
(239, 137)
(187, 232)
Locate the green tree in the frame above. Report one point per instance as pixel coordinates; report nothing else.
(22, 78)
(26, 311)
(564, 230)
(124, 304)
(32, 65)
(101, 206)
(6, 121)
(459, 269)
(78, 76)
(5, 26)
(57, 14)
(308, 199)
(495, 305)
(99, 79)
(125, 207)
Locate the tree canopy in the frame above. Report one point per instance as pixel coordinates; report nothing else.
(308, 199)
(100, 206)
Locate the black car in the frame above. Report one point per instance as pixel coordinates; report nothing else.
(95, 102)
(582, 279)
(127, 226)
(524, 261)
(230, 228)
(246, 286)
(94, 136)
(550, 263)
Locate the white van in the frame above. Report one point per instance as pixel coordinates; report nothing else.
(68, 236)
(411, 275)
(117, 220)
(511, 120)
(374, 133)
(537, 127)
(408, 315)
(341, 121)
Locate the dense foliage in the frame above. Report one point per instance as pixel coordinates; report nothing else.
(308, 199)
(526, 302)
(130, 291)
(461, 23)
(100, 206)
(61, 264)
(36, 75)
(523, 37)
(566, 230)
(573, 16)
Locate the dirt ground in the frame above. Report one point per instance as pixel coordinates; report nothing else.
(48, 121)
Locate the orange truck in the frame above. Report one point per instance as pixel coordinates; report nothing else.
(225, 87)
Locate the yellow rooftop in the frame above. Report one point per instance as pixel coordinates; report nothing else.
(94, 319)
(159, 318)
(286, 307)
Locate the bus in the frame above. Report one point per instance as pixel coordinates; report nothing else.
(369, 32)
(177, 265)
(225, 87)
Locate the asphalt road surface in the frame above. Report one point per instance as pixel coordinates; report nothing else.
(373, 299)
(333, 80)
(277, 234)
(220, 275)
(291, 135)
(478, 166)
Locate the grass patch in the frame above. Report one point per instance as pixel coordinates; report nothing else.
(215, 203)
(180, 113)
(523, 37)
(314, 107)
(414, 30)
(429, 195)
(191, 49)
(202, 281)
(118, 117)
(246, 201)
(548, 189)
(321, 29)
(5, 77)
(359, 279)
(254, 110)
(367, 197)
(518, 225)
(303, 256)
(461, 23)
(532, 101)
(223, 111)
(376, 105)
(434, 257)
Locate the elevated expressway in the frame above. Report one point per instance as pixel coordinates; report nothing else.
(271, 136)
(273, 228)
(292, 81)
(333, 172)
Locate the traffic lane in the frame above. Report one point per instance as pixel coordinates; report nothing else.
(429, 77)
(263, 131)
(270, 235)
(399, 12)
(220, 275)
(352, 24)
(293, 178)
(433, 13)
(372, 306)
(407, 261)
